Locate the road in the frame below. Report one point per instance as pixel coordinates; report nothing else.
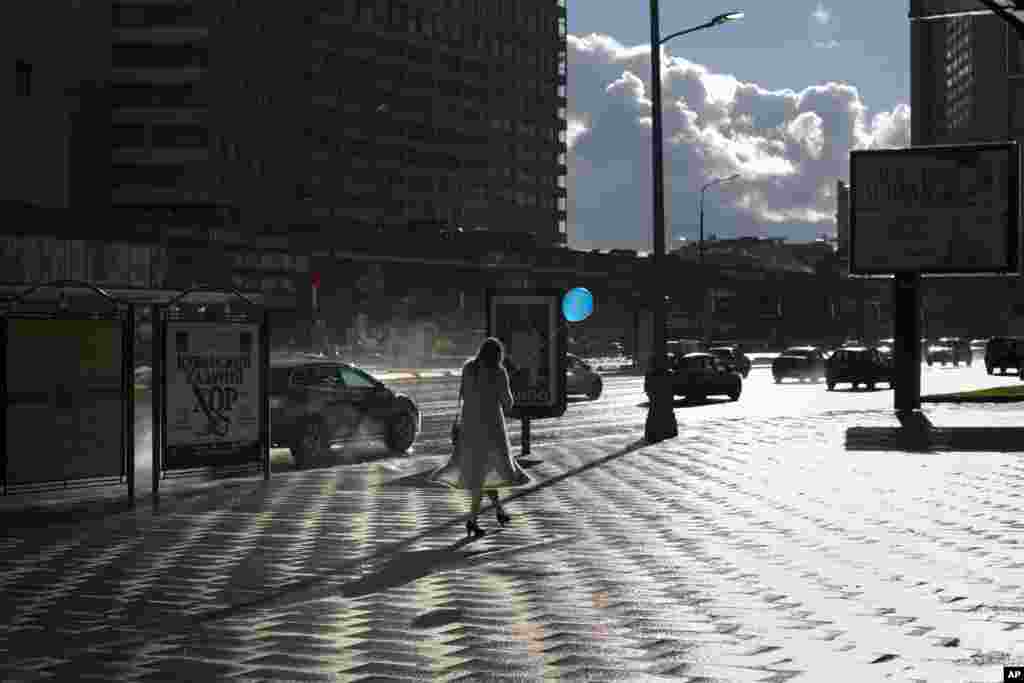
(623, 406)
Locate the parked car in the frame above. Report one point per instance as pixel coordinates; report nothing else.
(315, 403)
(858, 365)
(948, 350)
(805, 363)
(580, 378)
(1003, 353)
(699, 375)
(733, 358)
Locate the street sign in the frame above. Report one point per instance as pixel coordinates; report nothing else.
(530, 325)
(938, 210)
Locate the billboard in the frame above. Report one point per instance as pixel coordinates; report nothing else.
(65, 399)
(935, 210)
(212, 393)
(529, 323)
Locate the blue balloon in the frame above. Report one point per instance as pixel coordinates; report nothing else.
(577, 304)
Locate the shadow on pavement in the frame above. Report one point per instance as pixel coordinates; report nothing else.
(389, 566)
(687, 403)
(917, 434)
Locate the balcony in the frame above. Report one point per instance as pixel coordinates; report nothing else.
(161, 35)
(156, 76)
(159, 155)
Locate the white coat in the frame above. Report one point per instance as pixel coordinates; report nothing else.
(483, 459)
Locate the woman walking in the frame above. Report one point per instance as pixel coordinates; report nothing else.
(482, 460)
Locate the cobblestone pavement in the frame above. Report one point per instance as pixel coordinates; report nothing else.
(750, 550)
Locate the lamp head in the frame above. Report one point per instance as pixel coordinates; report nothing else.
(728, 16)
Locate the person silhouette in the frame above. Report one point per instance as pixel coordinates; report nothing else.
(483, 460)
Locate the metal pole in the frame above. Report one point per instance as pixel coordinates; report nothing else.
(705, 289)
(525, 440)
(661, 419)
(907, 323)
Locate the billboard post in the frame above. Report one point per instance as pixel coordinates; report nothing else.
(530, 325)
(943, 210)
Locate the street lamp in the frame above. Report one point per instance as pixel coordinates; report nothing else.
(700, 251)
(661, 420)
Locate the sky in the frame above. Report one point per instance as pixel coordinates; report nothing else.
(781, 97)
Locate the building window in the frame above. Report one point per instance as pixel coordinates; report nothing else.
(22, 78)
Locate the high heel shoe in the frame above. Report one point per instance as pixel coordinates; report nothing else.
(473, 529)
(502, 516)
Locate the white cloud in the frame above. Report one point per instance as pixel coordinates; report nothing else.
(789, 145)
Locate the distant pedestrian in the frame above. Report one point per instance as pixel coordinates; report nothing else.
(482, 458)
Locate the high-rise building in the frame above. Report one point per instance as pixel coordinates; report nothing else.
(843, 220)
(966, 74)
(967, 86)
(229, 126)
(344, 116)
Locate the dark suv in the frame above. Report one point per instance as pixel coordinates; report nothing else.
(858, 365)
(1003, 353)
(315, 403)
(949, 350)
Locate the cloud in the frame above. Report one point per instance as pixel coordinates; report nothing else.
(789, 145)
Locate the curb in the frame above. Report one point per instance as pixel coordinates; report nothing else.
(953, 398)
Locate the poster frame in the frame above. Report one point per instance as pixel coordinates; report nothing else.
(219, 312)
(119, 311)
(558, 338)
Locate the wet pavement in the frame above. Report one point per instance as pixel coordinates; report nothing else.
(748, 549)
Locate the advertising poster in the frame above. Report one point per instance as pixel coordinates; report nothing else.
(65, 416)
(529, 326)
(213, 393)
(935, 210)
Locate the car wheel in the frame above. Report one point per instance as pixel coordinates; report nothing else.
(956, 364)
(595, 390)
(734, 394)
(989, 369)
(778, 380)
(929, 363)
(311, 444)
(871, 386)
(830, 385)
(402, 431)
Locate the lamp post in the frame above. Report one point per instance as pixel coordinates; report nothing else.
(661, 420)
(700, 251)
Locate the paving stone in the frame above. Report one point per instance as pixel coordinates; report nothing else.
(767, 563)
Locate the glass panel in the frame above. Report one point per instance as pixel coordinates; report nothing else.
(356, 379)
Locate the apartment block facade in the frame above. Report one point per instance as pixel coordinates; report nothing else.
(224, 142)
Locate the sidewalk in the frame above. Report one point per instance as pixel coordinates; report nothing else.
(758, 550)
